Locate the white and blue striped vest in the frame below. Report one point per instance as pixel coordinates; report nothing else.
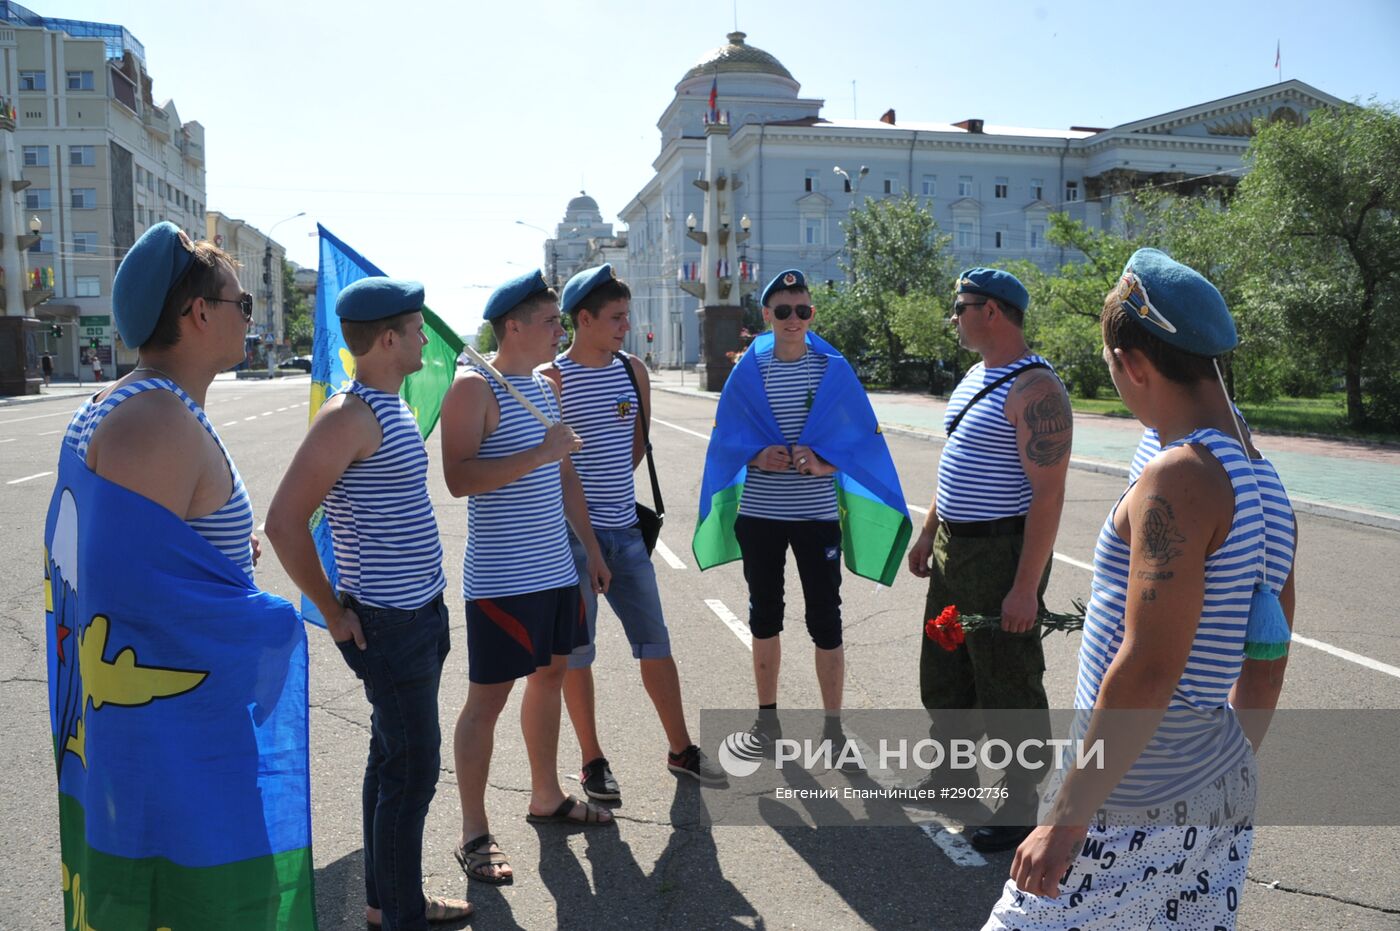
(790, 495)
(601, 406)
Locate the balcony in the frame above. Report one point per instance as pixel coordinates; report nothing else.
(156, 121)
(193, 151)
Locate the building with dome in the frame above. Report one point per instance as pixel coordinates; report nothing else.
(796, 175)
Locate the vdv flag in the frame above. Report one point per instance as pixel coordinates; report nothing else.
(333, 368)
(178, 708)
(841, 428)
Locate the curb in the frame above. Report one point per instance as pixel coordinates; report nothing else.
(1302, 505)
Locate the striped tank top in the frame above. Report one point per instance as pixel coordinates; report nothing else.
(601, 406)
(382, 524)
(1279, 522)
(517, 540)
(229, 528)
(980, 476)
(1199, 737)
(790, 495)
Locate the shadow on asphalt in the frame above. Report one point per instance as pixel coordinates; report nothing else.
(340, 895)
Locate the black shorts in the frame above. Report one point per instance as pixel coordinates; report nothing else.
(509, 638)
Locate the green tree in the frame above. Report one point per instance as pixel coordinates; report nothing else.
(1318, 216)
(894, 249)
(485, 338)
(298, 310)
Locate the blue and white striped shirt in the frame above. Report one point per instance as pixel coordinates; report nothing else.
(980, 476)
(230, 528)
(517, 539)
(790, 495)
(382, 524)
(601, 406)
(1200, 737)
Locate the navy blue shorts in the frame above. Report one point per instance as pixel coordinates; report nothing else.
(509, 638)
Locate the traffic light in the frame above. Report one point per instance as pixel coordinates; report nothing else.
(651, 337)
(92, 344)
(57, 330)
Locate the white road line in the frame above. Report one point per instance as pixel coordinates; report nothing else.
(254, 417)
(1060, 556)
(280, 409)
(1356, 658)
(49, 432)
(954, 845)
(265, 414)
(703, 436)
(732, 622)
(28, 478)
(261, 526)
(4, 423)
(231, 423)
(8, 439)
(671, 559)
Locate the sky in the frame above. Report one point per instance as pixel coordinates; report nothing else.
(420, 132)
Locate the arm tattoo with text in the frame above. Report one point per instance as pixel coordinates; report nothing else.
(1051, 423)
(1160, 535)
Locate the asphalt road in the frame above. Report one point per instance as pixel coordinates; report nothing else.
(661, 867)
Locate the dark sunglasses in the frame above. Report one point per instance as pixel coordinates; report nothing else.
(244, 302)
(961, 307)
(783, 311)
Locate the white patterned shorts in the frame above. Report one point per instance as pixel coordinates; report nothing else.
(1181, 866)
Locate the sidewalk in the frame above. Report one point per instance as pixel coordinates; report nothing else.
(1357, 482)
(61, 390)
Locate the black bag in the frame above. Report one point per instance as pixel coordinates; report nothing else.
(648, 521)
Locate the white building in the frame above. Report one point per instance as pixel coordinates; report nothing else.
(991, 187)
(259, 273)
(102, 162)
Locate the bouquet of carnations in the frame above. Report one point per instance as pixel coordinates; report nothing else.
(948, 629)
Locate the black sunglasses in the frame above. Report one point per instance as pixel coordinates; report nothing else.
(961, 307)
(244, 302)
(783, 311)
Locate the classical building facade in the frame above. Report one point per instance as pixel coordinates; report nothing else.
(102, 162)
(260, 271)
(796, 176)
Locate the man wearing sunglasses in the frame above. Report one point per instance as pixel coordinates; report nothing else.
(986, 544)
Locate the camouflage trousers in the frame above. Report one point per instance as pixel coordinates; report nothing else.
(992, 669)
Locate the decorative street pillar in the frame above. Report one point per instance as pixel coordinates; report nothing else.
(19, 332)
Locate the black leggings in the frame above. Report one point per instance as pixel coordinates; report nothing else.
(816, 544)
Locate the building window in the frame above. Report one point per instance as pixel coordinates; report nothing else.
(1037, 235)
(38, 199)
(84, 198)
(1002, 185)
(891, 186)
(161, 188)
(88, 286)
(1037, 188)
(36, 156)
(150, 181)
(965, 236)
(80, 80)
(812, 232)
(1000, 239)
(930, 186)
(33, 81)
(965, 185)
(140, 214)
(811, 182)
(1071, 192)
(45, 243)
(83, 156)
(85, 243)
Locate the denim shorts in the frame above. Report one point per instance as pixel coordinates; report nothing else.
(632, 594)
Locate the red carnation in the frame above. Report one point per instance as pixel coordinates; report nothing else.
(946, 630)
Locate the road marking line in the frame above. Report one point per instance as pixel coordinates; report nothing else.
(38, 417)
(280, 409)
(724, 614)
(671, 559)
(703, 436)
(1060, 556)
(954, 845)
(231, 423)
(254, 417)
(50, 432)
(265, 414)
(8, 439)
(1357, 658)
(28, 478)
(261, 526)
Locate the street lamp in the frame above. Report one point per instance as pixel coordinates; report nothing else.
(267, 291)
(852, 184)
(552, 258)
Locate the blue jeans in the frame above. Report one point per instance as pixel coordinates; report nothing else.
(632, 594)
(400, 667)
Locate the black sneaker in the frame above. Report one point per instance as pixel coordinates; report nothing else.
(598, 782)
(767, 729)
(692, 761)
(999, 837)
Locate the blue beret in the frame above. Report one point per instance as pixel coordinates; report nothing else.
(376, 298)
(791, 278)
(582, 285)
(996, 284)
(145, 277)
(509, 295)
(1176, 304)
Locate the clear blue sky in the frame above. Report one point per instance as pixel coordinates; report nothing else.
(419, 132)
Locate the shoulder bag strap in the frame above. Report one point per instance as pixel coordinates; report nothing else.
(646, 434)
(989, 389)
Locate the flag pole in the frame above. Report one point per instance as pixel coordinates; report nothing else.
(490, 369)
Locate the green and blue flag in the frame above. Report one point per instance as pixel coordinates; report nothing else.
(178, 707)
(841, 428)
